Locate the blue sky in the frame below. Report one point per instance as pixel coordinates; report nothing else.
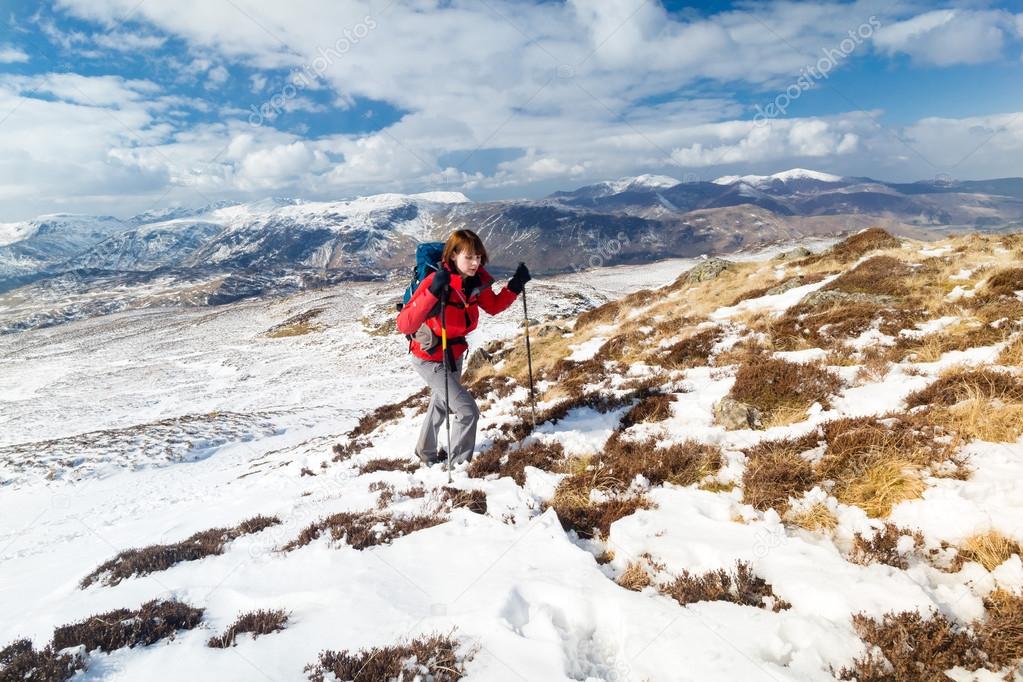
(117, 106)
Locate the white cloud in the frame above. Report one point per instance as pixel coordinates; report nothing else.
(741, 142)
(216, 77)
(90, 90)
(948, 36)
(122, 41)
(580, 86)
(972, 147)
(12, 55)
(279, 165)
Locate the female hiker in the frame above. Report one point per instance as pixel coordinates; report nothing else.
(465, 285)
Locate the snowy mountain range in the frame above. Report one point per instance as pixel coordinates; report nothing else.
(783, 177)
(228, 250)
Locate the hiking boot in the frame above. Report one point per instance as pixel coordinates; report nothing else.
(441, 456)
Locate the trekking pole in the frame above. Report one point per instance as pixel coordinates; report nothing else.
(444, 354)
(529, 360)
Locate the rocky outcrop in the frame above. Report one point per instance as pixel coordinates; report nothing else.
(732, 414)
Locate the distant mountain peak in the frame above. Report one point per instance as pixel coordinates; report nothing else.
(784, 176)
(645, 181)
(442, 197)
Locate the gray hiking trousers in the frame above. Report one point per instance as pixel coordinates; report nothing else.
(464, 416)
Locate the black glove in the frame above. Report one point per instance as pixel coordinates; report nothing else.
(440, 282)
(519, 279)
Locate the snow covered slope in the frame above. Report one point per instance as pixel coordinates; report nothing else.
(657, 475)
(38, 244)
(783, 176)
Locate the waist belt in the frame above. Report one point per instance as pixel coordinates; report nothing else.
(432, 348)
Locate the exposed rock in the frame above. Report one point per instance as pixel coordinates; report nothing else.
(790, 283)
(793, 254)
(708, 270)
(830, 296)
(484, 355)
(733, 415)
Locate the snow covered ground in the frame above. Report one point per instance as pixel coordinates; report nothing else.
(92, 462)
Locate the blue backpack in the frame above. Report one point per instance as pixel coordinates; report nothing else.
(428, 258)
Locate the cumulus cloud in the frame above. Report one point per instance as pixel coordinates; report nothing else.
(748, 142)
(216, 77)
(949, 36)
(92, 90)
(585, 90)
(12, 55)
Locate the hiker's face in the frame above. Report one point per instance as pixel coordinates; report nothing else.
(467, 263)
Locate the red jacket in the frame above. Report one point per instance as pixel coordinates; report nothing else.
(462, 313)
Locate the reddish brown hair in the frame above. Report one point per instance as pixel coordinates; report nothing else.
(465, 241)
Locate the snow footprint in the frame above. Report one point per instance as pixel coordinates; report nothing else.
(587, 654)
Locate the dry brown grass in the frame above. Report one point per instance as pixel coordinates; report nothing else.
(959, 384)
(1004, 282)
(830, 325)
(911, 647)
(1001, 633)
(855, 443)
(883, 546)
(386, 493)
(817, 517)
(433, 657)
(882, 486)
(780, 388)
(297, 329)
(990, 549)
(959, 337)
(602, 401)
(296, 325)
(715, 486)
(261, 622)
(345, 452)
(874, 368)
(853, 247)
(415, 492)
(153, 621)
(364, 529)
(572, 377)
(797, 280)
(146, 560)
(876, 463)
(881, 275)
(501, 459)
(621, 460)
(653, 408)
(635, 577)
(388, 464)
(776, 471)
(20, 662)
(501, 386)
(982, 418)
(602, 313)
(473, 500)
(692, 351)
(625, 348)
(872, 462)
(591, 519)
(1012, 355)
(739, 587)
(385, 413)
